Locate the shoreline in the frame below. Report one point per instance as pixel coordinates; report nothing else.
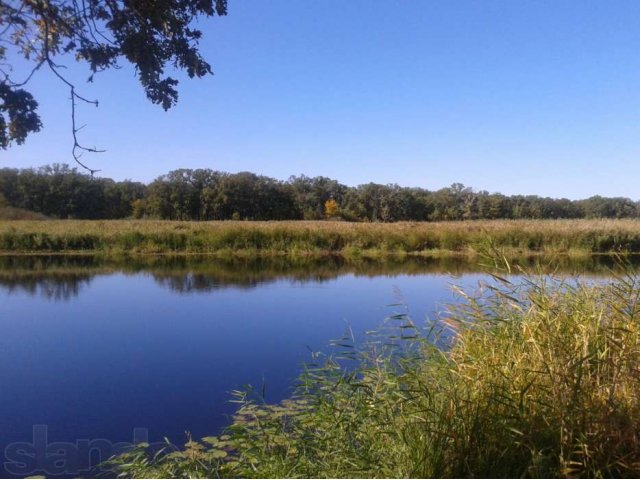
(470, 239)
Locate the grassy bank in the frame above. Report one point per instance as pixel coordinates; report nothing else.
(305, 238)
(539, 379)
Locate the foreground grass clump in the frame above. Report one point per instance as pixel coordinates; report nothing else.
(535, 379)
(307, 237)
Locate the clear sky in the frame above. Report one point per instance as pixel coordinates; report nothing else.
(517, 96)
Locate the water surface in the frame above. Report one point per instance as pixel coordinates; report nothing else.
(93, 349)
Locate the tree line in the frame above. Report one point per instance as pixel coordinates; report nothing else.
(60, 191)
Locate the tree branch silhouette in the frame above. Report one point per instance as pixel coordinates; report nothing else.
(152, 35)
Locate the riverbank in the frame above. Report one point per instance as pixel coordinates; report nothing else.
(301, 238)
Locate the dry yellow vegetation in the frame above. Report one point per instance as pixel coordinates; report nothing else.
(312, 237)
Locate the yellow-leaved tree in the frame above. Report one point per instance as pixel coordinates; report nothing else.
(331, 209)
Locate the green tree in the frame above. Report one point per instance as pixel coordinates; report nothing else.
(312, 193)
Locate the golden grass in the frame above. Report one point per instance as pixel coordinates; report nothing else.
(304, 237)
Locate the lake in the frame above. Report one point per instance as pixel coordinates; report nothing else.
(96, 352)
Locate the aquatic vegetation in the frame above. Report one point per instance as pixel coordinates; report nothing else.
(302, 238)
(534, 378)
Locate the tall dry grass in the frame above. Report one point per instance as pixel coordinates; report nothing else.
(302, 237)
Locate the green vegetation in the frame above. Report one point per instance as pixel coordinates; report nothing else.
(535, 379)
(302, 238)
(60, 192)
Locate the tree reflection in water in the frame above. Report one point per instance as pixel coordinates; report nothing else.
(62, 277)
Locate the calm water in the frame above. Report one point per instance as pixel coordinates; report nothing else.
(94, 350)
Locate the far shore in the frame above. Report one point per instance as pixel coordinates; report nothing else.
(318, 238)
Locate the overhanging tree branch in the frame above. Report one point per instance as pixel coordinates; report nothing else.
(77, 148)
(150, 34)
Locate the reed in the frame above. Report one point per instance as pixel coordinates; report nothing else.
(306, 237)
(539, 378)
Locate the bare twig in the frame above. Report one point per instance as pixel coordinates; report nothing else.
(78, 149)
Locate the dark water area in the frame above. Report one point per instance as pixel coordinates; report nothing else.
(94, 352)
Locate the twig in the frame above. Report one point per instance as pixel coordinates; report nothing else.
(78, 149)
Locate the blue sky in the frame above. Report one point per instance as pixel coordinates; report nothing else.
(517, 96)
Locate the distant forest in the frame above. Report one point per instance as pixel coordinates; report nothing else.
(59, 191)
